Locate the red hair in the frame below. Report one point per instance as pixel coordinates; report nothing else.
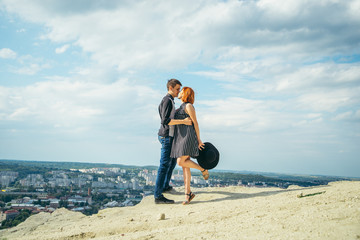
(188, 95)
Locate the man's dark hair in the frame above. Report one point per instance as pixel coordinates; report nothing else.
(173, 82)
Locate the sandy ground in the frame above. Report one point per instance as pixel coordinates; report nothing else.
(215, 213)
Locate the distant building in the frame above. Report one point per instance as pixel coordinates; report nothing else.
(23, 206)
(111, 204)
(86, 176)
(150, 178)
(178, 176)
(135, 184)
(251, 184)
(77, 199)
(43, 196)
(198, 180)
(11, 214)
(79, 181)
(97, 184)
(35, 180)
(54, 203)
(78, 209)
(127, 203)
(7, 177)
(59, 174)
(135, 198)
(59, 182)
(50, 209)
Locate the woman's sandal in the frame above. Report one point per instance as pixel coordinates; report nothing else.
(191, 197)
(206, 175)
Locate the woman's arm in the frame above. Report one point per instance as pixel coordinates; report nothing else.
(165, 108)
(191, 111)
(185, 121)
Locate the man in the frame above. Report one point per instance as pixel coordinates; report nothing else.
(166, 133)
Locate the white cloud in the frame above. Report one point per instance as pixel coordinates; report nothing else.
(62, 49)
(7, 53)
(29, 65)
(328, 101)
(178, 34)
(31, 69)
(257, 46)
(78, 105)
(357, 114)
(323, 75)
(322, 86)
(238, 115)
(353, 116)
(343, 116)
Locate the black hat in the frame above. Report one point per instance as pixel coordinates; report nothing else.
(208, 157)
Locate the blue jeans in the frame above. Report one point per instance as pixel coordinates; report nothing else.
(166, 167)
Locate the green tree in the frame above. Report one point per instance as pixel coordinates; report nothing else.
(23, 215)
(63, 203)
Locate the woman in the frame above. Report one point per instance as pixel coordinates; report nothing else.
(187, 142)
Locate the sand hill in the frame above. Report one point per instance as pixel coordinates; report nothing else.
(325, 212)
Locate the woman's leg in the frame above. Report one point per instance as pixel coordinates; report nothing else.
(187, 180)
(184, 175)
(185, 161)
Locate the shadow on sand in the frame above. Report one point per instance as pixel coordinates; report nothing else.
(235, 196)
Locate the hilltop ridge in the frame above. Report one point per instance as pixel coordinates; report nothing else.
(323, 212)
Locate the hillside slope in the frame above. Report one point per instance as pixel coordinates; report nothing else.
(215, 213)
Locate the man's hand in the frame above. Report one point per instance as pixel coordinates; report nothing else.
(187, 121)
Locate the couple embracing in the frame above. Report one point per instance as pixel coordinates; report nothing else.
(179, 136)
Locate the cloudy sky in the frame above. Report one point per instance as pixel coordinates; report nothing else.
(277, 83)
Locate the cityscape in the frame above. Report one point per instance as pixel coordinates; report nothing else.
(29, 188)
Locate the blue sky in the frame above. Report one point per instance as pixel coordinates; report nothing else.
(277, 83)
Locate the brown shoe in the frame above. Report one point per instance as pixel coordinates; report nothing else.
(191, 197)
(205, 174)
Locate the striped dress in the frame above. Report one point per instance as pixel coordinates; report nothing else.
(185, 142)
